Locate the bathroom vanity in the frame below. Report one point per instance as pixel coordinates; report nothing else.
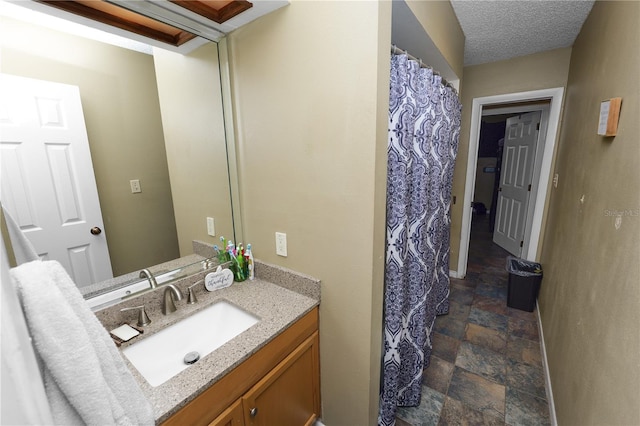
(278, 385)
(266, 375)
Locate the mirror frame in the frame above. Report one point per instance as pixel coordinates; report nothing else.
(230, 139)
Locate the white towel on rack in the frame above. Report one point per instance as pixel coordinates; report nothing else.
(86, 380)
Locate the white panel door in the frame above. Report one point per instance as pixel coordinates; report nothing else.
(48, 184)
(518, 156)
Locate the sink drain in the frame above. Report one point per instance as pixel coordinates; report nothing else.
(191, 357)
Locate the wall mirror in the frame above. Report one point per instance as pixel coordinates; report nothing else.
(156, 117)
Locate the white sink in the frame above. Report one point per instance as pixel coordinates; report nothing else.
(161, 356)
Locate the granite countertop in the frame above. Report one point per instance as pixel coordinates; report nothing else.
(278, 304)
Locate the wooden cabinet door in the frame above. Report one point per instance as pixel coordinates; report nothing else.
(289, 395)
(232, 416)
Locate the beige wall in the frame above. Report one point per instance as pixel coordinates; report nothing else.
(191, 104)
(122, 114)
(311, 97)
(532, 72)
(440, 22)
(590, 295)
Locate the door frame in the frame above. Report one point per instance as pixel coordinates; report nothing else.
(542, 169)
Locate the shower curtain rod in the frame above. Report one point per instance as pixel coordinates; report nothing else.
(397, 51)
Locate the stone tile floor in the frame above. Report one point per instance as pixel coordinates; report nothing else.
(486, 367)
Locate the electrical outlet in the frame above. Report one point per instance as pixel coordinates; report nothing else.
(135, 186)
(281, 244)
(211, 227)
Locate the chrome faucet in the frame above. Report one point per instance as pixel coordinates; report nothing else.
(145, 273)
(171, 294)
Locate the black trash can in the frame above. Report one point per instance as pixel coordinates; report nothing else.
(524, 283)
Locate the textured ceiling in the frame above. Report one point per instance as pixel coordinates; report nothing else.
(497, 30)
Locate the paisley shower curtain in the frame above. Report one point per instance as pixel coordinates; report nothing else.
(424, 127)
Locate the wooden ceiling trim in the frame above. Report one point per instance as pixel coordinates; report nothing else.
(226, 11)
(112, 15)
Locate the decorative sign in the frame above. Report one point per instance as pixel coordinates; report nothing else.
(488, 169)
(217, 280)
(609, 115)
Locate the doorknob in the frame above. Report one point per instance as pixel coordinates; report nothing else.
(96, 231)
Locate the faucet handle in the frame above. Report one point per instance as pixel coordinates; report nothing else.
(192, 296)
(143, 318)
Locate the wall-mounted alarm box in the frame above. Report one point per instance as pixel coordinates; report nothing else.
(609, 115)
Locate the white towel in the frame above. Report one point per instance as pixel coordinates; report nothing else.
(86, 380)
(22, 248)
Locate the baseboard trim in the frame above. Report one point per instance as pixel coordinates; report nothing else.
(547, 376)
(453, 274)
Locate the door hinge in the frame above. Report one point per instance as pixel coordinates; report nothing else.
(521, 243)
(529, 189)
(538, 126)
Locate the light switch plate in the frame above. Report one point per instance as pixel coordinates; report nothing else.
(281, 244)
(211, 227)
(135, 186)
